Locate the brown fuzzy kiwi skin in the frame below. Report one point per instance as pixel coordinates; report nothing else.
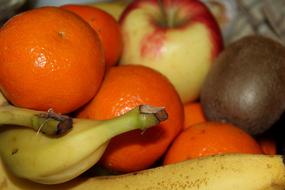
(246, 85)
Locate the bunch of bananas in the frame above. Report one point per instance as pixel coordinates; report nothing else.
(49, 148)
(51, 151)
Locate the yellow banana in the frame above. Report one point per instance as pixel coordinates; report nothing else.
(114, 8)
(52, 160)
(220, 172)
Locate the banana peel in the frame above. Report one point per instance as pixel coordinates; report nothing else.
(223, 172)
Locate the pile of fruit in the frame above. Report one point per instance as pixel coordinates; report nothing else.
(148, 97)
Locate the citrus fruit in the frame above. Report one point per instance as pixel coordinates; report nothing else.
(193, 113)
(123, 88)
(107, 28)
(50, 58)
(210, 138)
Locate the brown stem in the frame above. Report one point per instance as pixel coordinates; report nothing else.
(159, 112)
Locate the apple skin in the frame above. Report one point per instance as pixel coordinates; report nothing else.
(183, 49)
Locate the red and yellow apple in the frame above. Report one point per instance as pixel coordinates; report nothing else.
(179, 38)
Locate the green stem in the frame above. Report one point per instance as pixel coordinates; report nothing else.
(56, 160)
(163, 20)
(52, 123)
(49, 122)
(169, 17)
(141, 117)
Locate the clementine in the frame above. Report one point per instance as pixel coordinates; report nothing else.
(106, 26)
(123, 88)
(210, 138)
(193, 112)
(50, 58)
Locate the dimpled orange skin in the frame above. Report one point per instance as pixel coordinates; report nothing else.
(107, 28)
(124, 88)
(193, 114)
(210, 138)
(50, 58)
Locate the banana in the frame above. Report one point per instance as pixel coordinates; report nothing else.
(223, 172)
(219, 172)
(49, 122)
(114, 8)
(27, 153)
(51, 160)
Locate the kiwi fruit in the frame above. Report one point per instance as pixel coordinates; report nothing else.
(246, 84)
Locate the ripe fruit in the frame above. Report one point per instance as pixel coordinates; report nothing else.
(48, 160)
(107, 28)
(246, 85)
(193, 114)
(50, 58)
(179, 38)
(210, 138)
(123, 88)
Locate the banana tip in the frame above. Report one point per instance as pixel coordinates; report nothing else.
(64, 126)
(159, 112)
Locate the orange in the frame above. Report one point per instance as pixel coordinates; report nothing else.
(193, 114)
(50, 58)
(210, 138)
(107, 28)
(124, 88)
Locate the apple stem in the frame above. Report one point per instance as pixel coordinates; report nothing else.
(171, 19)
(168, 18)
(164, 15)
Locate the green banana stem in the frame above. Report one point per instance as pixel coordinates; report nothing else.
(47, 160)
(141, 117)
(49, 122)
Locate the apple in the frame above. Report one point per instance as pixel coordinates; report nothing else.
(179, 38)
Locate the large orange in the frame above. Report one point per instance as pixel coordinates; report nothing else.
(209, 138)
(123, 88)
(107, 28)
(50, 58)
